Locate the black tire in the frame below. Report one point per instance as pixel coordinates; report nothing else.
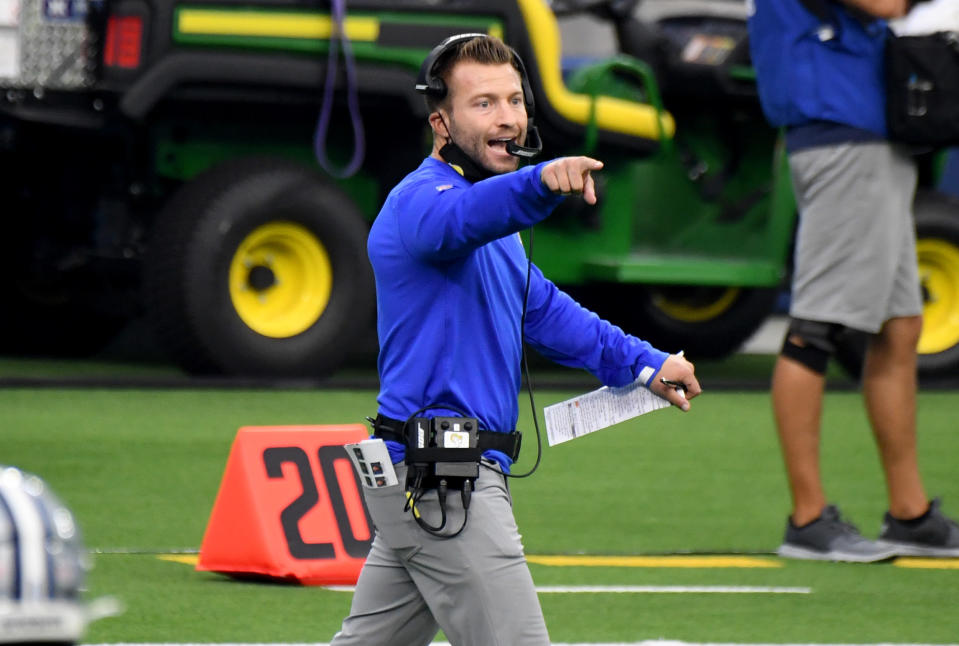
(705, 322)
(201, 311)
(937, 247)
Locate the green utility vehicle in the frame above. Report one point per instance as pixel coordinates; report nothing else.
(158, 158)
(699, 52)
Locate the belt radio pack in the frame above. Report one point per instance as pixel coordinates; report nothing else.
(446, 448)
(442, 453)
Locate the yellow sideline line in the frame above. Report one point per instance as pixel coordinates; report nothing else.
(677, 561)
(186, 559)
(680, 561)
(926, 563)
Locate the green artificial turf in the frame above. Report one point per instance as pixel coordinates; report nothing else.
(141, 469)
(750, 369)
(855, 604)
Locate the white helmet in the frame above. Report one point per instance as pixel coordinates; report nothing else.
(43, 564)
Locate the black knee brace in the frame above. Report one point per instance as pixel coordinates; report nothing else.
(811, 343)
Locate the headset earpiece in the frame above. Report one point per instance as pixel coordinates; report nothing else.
(437, 88)
(426, 81)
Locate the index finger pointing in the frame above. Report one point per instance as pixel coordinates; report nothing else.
(589, 189)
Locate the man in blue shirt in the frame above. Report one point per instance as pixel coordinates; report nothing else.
(451, 281)
(820, 68)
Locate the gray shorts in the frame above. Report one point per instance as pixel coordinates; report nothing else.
(856, 245)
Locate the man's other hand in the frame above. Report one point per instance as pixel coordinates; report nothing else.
(678, 370)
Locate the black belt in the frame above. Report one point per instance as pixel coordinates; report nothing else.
(509, 443)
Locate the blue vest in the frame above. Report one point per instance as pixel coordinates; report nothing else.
(803, 78)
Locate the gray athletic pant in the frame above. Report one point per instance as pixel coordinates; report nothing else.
(475, 586)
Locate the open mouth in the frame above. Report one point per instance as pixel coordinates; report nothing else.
(499, 144)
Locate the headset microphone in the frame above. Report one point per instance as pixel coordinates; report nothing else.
(534, 148)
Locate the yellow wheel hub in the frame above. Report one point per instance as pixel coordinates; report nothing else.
(699, 309)
(939, 273)
(280, 279)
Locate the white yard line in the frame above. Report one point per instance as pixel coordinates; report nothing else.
(670, 589)
(652, 642)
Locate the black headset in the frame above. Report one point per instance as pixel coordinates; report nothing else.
(434, 86)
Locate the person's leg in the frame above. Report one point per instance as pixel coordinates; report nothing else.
(387, 608)
(477, 584)
(798, 376)
(913, 526)
(797, 405)
(889, 388)
(815, 530)
(831, 292)
(848, 248)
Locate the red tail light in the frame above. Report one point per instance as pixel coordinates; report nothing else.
(124, 42)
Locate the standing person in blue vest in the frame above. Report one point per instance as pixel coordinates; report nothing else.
(456, 298)
(819, 68)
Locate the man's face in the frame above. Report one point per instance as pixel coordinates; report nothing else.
(485, 109)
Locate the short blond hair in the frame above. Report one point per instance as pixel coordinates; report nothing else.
(488, 50)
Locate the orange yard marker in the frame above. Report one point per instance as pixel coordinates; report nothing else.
(290, 507)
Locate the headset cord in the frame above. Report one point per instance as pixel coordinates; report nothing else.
(441, 492)
(441, 497)
(529, 381)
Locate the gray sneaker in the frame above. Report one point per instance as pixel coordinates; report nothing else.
(829, 538)
(936, 535)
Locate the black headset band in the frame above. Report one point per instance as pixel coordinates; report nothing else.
(431, 85)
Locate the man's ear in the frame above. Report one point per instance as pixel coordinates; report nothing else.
(438, 125)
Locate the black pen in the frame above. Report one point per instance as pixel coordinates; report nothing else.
(678, 385)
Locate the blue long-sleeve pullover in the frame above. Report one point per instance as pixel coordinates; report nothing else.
(450, 273)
